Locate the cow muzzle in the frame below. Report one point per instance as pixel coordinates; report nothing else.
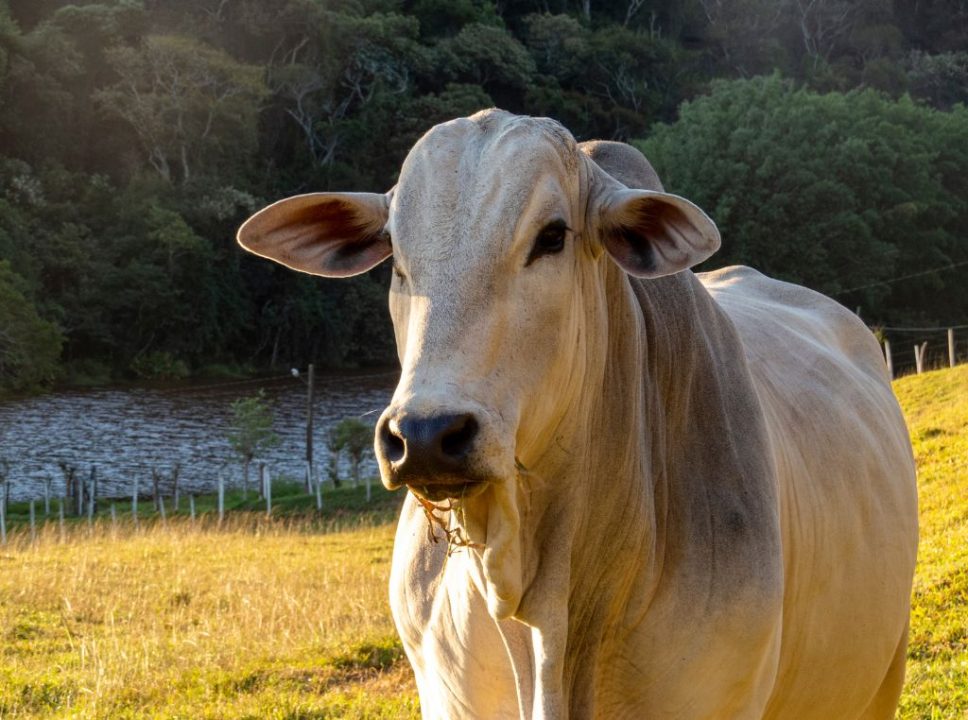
(432, 455)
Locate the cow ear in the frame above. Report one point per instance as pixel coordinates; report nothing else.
(328, 234)
(651, 234)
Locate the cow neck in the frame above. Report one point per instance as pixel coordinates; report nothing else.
(608, 512)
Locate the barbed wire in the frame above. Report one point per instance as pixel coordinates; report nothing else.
(919, 329)
(891, 281)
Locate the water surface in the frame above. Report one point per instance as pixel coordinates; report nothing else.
(125, 433)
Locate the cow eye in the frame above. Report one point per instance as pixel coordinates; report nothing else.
(549, 241)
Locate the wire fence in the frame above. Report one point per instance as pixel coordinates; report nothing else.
(910, 350)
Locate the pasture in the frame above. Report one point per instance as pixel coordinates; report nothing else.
(277, 619)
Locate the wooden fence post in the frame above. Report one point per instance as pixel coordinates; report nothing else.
(47, 496)
(267, 484)
(919, 351)
(93, 493)
(175, 472)
(161, 507)
(155, 480)
(33, 521)
(79, 496)
(319, 492)
(60, 516)
(889, 358)
(221, 498)
(309, 423)
(134, 500)
(191, 507)
(951, 347)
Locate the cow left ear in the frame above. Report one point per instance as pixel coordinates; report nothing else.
(328, 234)
(651, 234)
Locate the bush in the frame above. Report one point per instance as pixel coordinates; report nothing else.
(836, 191)
(29, 345)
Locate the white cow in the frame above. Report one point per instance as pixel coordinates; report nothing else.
(678, 496)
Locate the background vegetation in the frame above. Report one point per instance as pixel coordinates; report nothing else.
(135, 135)
(288, 617)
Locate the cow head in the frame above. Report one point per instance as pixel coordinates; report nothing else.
(498, 228)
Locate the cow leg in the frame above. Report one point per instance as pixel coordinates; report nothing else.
(884, 703)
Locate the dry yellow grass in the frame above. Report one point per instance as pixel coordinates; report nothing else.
(260, 621)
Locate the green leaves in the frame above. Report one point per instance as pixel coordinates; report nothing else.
(251, 431)
(29, 345)
(834, 191)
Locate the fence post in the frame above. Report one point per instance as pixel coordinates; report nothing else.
(33, 521)
(154, 488)
(161, 507)
(919, 351)
(3, 524)
(79, 496)
(889, 358)
(47, 496)
(134, 500)
(221, 498)
(319, 493)
(60, 516)
(174, 481)
(309, 423)
(93, 493)
(267, 482)
(951, 347)
(191, 507)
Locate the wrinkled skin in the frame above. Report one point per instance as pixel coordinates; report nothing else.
(683, 498)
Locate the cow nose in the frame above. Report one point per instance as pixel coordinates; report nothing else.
(427, 446)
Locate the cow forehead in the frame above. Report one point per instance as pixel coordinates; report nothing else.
(470, 180)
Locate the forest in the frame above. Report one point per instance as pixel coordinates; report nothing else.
(827, 138)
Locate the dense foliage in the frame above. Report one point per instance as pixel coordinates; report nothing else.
(835, 191)
(135, 135)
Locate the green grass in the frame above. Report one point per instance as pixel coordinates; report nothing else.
(936, 407)
(341, 506)
(287, 617)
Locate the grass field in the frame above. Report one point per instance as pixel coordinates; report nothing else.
(288, 619)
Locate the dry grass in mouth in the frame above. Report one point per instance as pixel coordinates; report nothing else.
(455, 537)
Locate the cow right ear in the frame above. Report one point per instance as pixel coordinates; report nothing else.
(328, 234)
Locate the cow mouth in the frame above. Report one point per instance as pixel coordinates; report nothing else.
(436, 492)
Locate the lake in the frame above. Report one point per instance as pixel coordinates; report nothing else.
(125, 432)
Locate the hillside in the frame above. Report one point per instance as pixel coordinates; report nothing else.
(936, 407)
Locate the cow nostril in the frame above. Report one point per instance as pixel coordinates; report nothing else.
(457, 440)
(392, 445)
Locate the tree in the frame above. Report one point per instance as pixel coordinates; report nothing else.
(835, 191)
(251, 429)
(186, 101)
(29, 345)
(356, 437)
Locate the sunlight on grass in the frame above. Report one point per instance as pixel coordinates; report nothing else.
(258, 620)
(936, 407)
(284, 619)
